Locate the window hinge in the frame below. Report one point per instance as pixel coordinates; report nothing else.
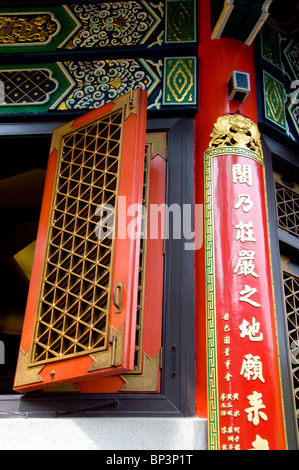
(131, 100)
(113, 349)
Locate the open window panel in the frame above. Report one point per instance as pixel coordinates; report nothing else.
(93, 319)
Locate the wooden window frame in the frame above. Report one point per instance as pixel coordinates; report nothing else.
(177, 397)
(281, 158)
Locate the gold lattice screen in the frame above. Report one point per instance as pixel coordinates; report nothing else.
(72, 316)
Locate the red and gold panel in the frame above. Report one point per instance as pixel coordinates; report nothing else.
(244, 390)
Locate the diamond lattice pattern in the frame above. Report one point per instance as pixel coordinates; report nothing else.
(73, 314)
(291, 293)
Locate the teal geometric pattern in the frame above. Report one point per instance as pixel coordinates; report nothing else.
(181, 21)
(271, 44)
(179, 81)
(274, 100)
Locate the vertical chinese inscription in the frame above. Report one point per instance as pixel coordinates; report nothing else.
(248, 396)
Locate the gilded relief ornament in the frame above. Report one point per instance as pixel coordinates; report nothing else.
(236, 130)
(26, 29)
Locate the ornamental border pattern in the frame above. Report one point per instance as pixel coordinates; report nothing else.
(212, 392)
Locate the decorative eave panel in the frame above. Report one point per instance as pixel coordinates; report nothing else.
(84, 85)
(97, 25)
(77, 57)
(277, 79)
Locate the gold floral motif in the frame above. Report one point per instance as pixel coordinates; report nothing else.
(236, 130)
(25, 29)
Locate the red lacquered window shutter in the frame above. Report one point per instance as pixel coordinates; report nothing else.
(146, 376)
(80, 320)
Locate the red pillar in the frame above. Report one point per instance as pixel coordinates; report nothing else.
(217, 59)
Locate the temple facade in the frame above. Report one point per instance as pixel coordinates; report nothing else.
(150, 213)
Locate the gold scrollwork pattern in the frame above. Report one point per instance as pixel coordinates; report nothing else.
(179, 81)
